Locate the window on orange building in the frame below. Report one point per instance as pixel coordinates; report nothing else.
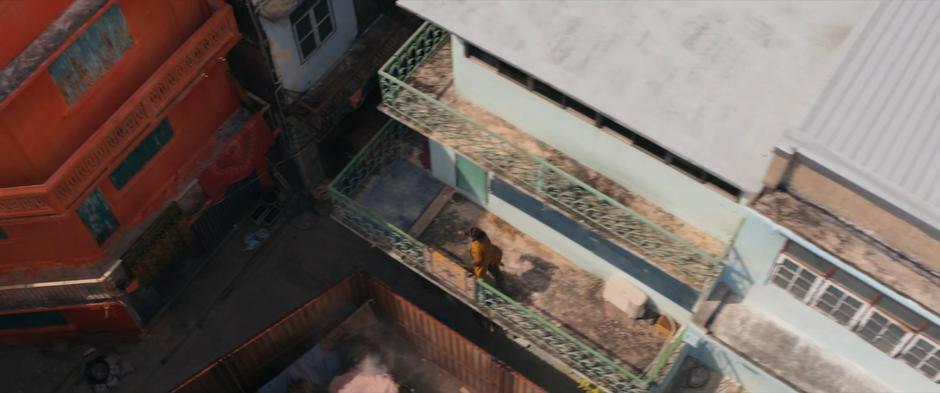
(90, 56)
(97, 216)
(143, 153)
(31, 320)
(312, 23)
(3, 234)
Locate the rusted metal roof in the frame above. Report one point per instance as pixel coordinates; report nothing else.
(876, 124)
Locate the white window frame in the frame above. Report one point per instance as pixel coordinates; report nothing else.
(935, 352)
(869, 312)
(846, 293)
(862, 316)
(814, 287)
(314, 29)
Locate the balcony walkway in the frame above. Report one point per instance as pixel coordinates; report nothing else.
(425, 98)
(384, 194)
(535, 275)
(549, 284)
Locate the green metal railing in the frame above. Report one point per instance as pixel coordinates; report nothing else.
(390, 144)
(385, 147)
(450, 127)
(659, 364)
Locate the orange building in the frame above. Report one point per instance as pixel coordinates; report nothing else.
(119, 121)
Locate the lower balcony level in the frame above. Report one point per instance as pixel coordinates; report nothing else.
(418, 90)
(388, 197)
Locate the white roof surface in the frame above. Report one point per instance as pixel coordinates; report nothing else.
(878, 122)
(718, 83)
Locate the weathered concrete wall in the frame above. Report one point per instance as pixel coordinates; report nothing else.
(884, 221)
(296, 73)
(600, 150)
(749, 262)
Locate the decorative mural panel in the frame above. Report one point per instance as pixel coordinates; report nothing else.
(91, 55)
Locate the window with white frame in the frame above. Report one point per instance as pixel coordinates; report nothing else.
(312, 23)
(794, 278)
(838, 304)
(886, 323)
(882, 332)
(923, 355)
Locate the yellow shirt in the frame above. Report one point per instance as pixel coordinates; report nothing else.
(484, 255)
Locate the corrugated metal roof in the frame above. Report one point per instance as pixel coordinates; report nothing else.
(878, 122)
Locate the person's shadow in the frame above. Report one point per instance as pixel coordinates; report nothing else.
(534, 280)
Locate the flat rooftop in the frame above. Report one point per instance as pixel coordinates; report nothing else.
(717, 83)
(917, 281)
(794, 358)
(410, 198)
(435, 78)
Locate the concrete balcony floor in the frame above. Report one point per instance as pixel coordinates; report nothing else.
(435, 78)
(545, 282)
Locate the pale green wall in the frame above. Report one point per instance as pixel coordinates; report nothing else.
(608, 154)
(749, 262)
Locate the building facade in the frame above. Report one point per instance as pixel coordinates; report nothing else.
(314, 61)
(121, 124)
(729, 161)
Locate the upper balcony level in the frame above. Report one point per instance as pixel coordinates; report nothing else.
(417, 87)
(121, 127)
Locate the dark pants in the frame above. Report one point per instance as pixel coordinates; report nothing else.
(497, 274)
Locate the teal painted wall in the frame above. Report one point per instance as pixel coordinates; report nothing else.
(749, 262)
(606, 153)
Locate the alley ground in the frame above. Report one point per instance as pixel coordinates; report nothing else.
(239, 292)
(236, 295)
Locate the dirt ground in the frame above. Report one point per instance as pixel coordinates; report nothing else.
(435, 78)
(551, 285)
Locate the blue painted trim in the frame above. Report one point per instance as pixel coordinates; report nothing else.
(660, 281)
